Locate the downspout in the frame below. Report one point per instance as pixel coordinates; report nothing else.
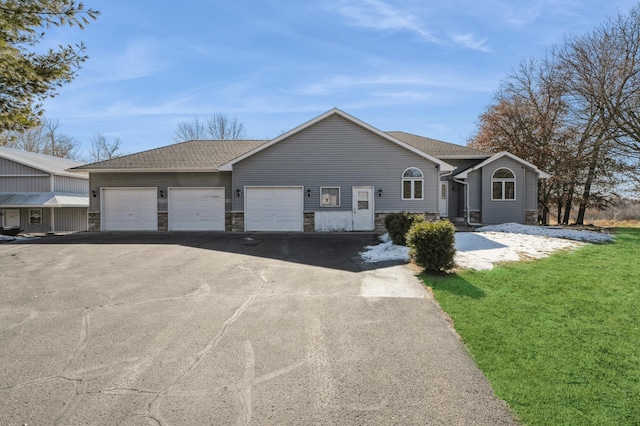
(524, 190)
(466, 184)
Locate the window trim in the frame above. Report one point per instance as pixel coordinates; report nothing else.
(503, 181)
(31, 215)
(413, 181)
(339, 197)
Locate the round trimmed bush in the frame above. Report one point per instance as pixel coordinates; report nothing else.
(432, 245)
(398, 224)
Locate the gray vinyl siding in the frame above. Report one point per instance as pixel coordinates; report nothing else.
(8, 167)
(67, 219)
(338, 153)
(475, 188)
(495, 212)
(161, 181)
(531, 185)
(69, 184)
(25, 184)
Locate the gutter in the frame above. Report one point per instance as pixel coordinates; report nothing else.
(467, 203)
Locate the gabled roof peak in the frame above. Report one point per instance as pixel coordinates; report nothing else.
(541, 174)
(444, 167)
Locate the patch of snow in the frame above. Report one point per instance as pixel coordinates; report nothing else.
(481, 251)
(18, 238)
(568, 234)
(509, 242)
(385, 251)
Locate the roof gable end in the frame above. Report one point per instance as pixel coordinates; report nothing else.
(541, 175)
(445, 167)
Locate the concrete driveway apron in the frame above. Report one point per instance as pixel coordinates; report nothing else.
(226, 329)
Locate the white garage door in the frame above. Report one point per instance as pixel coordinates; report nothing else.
(196, 209)
(274, 208)
(129, 209)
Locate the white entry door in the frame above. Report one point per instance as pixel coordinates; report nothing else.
(362, 208)
(11, 218)
(442, 203)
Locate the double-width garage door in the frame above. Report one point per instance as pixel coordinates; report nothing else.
(129, 209)
(274, 208)
(196, 209)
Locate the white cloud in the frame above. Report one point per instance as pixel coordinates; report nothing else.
(404, 95)
(136, 59)
(382, 16)
(398, 82)
(470, 41)
(340, 83)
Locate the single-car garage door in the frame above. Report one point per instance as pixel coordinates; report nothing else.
(129, 209)
(196, 209)
(274, 208)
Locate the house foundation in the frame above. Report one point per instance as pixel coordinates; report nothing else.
(94, 221)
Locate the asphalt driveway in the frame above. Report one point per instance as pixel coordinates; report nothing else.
(226, 329)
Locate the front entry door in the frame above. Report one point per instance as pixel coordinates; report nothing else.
(443, 204)
(11, 218)
(362, 208)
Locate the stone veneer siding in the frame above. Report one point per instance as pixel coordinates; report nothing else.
(475, 216)
(237, 222)
(378, 222)
(94, 221)
(531, 217)
(163, 221)
(234, 221)
(309, 222)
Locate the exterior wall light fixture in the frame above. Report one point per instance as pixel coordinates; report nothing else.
(379, 192)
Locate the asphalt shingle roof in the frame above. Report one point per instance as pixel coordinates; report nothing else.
(211, 154)
(438, 149)
(196, 155)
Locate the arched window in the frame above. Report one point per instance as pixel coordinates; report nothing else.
(412, 184)
(503, 185)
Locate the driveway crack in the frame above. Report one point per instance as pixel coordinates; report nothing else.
(153, 408)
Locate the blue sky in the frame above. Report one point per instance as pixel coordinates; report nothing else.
(424, 67)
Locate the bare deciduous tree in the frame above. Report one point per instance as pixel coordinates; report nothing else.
(217, 127)
(102, 149)
(44, 138)
(586, 132)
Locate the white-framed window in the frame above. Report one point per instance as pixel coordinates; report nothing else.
(35, 216)
(330, 196)
(412, 184)
(503, 185)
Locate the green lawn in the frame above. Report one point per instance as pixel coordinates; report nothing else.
(558, 338)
